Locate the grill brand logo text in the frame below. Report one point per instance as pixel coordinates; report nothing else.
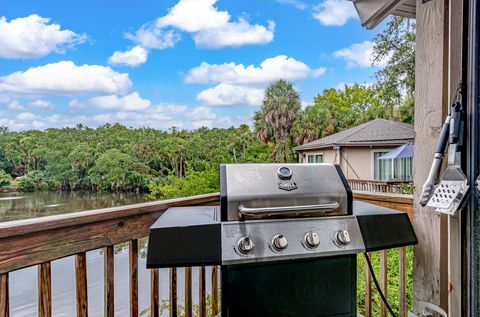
(288, 186)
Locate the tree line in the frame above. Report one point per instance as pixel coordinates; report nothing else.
(117, 158)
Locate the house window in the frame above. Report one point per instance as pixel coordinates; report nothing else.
(382, 169)
(403, 168)
(315, 158)
(399, 169)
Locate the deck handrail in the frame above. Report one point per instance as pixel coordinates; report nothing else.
(28, 226)
(40, 241)
(383, 186)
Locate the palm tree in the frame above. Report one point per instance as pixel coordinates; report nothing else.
(275, 120)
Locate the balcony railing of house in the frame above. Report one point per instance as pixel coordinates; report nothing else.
(40, 241)
(374, 186)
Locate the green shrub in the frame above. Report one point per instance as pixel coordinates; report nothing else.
(26, 184)
(195, 183)
(5, 178)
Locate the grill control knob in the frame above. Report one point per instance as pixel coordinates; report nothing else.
(342, 238)
(245, 245)
(279, 242)
(312, 240)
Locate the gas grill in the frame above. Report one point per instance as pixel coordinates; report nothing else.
(286, 237)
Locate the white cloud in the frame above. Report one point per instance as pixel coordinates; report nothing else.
(235, 35)
(296, 3)
(103, 118)
(161, 116)
(194, 15)
(134, 57)
(279, 67)
(129, 102)
(358, 55)
(150, 36)
(334, 12)
(76, 104)
(66, 78)
(5, 98)
(205, 117)
(210, 27)
(15, 105)
(26, 116)
(227, 94)
(33, 37)
(42, 104)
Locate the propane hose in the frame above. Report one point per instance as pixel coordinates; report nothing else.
(384, 299)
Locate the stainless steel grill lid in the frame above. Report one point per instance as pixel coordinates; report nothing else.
(262, 191)
(295, 199)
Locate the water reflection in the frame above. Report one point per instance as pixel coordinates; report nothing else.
(16, 206)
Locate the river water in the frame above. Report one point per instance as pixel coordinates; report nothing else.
(16, 206)
(23, 283)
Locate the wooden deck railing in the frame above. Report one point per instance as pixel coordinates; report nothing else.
(401, 203)
(393, 187)
(40, 241)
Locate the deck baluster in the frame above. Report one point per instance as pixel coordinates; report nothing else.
(173, 292)
(368, 289)
(4, 297)
(201, 291)
(383, 281)
(81, 284)
(188, 292)
(154, 296)
(215, 290)
(133, 269)
(402, 296)
(45, 290)
(109, 308)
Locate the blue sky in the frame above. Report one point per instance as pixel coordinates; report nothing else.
(187, 63)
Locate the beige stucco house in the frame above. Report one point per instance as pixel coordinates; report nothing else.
(358, 150)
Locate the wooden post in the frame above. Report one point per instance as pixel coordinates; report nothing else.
(430, 261)
(202, 291)
(368, 289)
(383, 281)
(454, 223)
(214, 290)
(108, 281)
(4, 297)
(133, 269)
(173, 292)
(81, 284)
(188, 292)
(45, 290)
(402, 283)
(154, 296)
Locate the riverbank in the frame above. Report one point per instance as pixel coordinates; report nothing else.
(12, 188)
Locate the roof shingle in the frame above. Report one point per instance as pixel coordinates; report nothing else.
(375, 132)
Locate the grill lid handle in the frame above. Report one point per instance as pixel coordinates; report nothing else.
(286, 211)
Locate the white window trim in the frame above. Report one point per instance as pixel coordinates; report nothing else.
(307, 154)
